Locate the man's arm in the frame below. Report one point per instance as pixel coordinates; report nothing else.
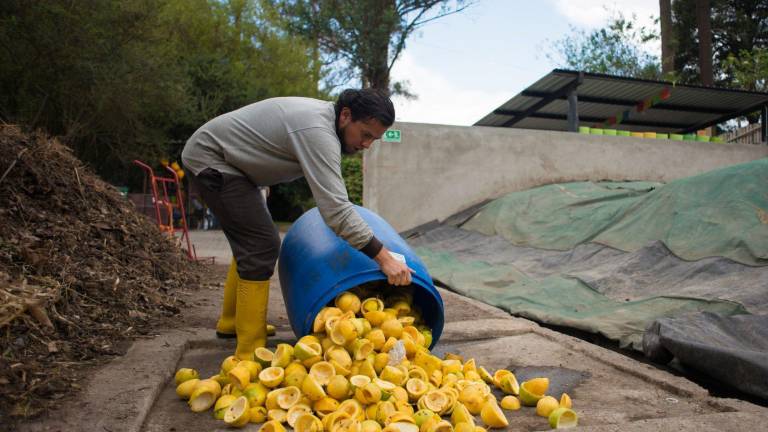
(319, 155)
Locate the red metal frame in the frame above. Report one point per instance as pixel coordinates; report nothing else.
(164, 207)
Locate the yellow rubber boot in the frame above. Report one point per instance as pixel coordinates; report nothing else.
(251, 317)
(225, 327)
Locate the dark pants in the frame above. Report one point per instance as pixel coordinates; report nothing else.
(245, 220)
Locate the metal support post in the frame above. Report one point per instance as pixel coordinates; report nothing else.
(573, 111)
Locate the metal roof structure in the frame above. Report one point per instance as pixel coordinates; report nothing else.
(592, 99)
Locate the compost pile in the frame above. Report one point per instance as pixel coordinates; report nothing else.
(80, 272)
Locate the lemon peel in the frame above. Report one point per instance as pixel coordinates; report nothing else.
(263, 356)
(527, 396)
(228, 363)
(185, 374)
(322, 372)
(307, 423)
(295, 412)
(492, 415)
(338, 387)
(348, 302)
(306, 350)
(272, 376)
(510, 403)
(237, 413)
(312, 388)
(420, 416)
(257, 414)
(546, 405)
(272, 426)
(369, 426)
(563, 418)
(221, 405)
(283, 356)
(239, 376)
(185, 389)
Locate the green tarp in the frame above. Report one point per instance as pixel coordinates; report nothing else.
(719, 213)
(596, 256)
(562, 300)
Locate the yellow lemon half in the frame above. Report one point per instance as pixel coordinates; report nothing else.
(312, 389)
(237, 414)
(295, 412)
(185, 389)
(308, 423)
(229, 363)
(338, 387)
(322, 372)
(220, 408)
(240, 376)
(204, 395)
(546, 405)
(283, 356)
(492, 415)
(528, 396)
(372, 304)
(509, 384)
(510, 403)
(369, 426)
(325, 406)
(185, 374)
(263, 356)
(563, 418)
(257, 414)
(306, 350)
(461, 415)
(272, 426)
(538, 385)
(272, 376)
(348, 302)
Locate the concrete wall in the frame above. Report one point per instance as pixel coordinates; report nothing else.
(438, 170)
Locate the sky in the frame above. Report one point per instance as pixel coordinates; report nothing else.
(465, 65)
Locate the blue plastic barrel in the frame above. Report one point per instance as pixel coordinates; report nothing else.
(316, 265)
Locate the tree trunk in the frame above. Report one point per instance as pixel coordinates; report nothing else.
(667, 44)
(705, 42)
(378, 26)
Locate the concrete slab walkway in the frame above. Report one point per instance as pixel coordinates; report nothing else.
(610, 391)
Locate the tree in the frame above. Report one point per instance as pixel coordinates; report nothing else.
(705, 42)
(365, 37)
(667, 41)
(616, 49)
(749, 69)
(133, 79)
(737, 26)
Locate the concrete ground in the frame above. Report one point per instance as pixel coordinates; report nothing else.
(610, 391)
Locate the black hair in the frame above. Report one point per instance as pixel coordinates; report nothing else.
(366, 104)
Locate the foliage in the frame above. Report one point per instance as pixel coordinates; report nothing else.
(290, 200)
(616, 49)
(749, 69)
(364, 38)
(738, 28)
(134, 78)
(352, 170)
(91, 72)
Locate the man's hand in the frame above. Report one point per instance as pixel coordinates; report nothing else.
(398, 273)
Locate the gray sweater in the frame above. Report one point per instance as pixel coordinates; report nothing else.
(279, 140)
